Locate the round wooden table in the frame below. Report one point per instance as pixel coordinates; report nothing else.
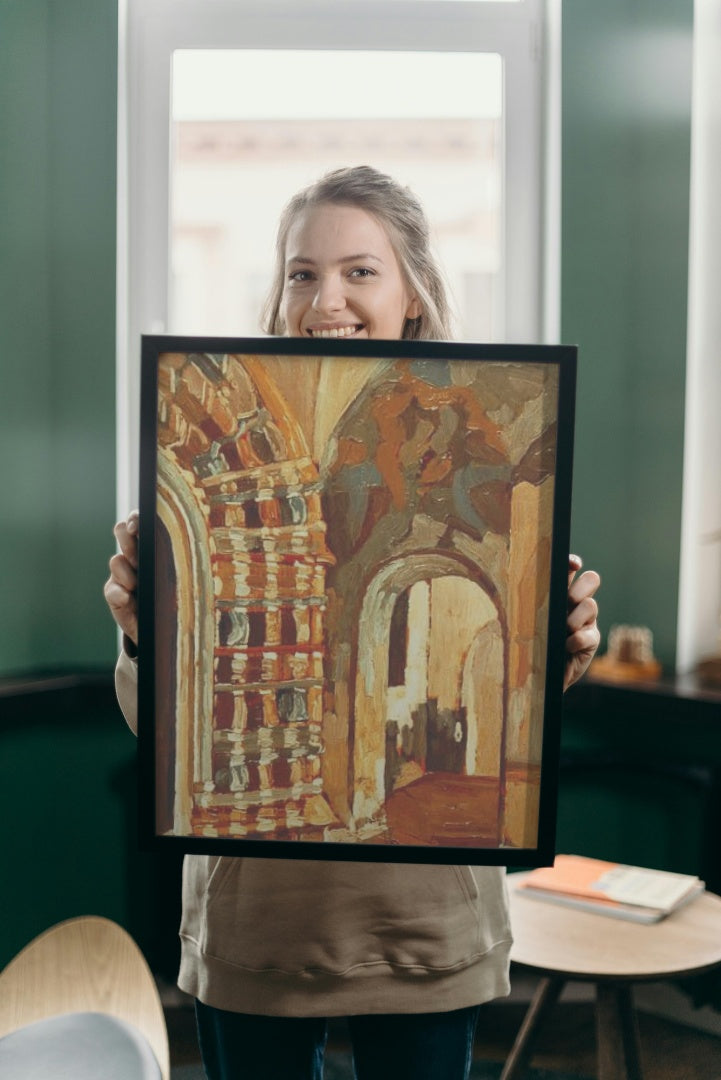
(563, 944)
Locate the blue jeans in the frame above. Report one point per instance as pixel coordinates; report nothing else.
(414, 1046)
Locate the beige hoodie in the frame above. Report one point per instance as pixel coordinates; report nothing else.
(303, 937)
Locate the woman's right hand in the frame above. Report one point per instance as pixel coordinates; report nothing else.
(121, 587)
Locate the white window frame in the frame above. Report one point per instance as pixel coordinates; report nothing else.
(699, 598)
(526, 34)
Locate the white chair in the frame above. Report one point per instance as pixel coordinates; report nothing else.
(79, 1002)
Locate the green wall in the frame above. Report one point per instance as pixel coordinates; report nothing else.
(68, 798)
(626, 145)
(57, 329)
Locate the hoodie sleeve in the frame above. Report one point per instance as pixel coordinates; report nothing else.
(126, 688)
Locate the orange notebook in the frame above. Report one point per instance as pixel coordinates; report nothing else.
(617, 889)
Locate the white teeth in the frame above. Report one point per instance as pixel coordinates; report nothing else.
(335, 332)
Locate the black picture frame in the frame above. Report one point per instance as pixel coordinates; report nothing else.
(352, 600)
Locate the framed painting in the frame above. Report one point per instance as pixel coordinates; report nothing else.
(352, 597)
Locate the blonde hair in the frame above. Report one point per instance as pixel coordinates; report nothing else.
(403, 217)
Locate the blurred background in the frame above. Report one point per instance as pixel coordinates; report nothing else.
(68, 782)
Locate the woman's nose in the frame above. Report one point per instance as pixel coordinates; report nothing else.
(329, 295)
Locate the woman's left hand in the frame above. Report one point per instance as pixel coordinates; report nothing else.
(582, 633)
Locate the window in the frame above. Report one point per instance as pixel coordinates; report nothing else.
(475, 155)
(236, 158)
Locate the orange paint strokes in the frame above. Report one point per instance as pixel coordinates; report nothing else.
(523, 665)
(387, 463)
(386, 412)
(476, 419)
(350, 452)
(401, 451)
(185, 439)
(445, 809)
(276, 404)
(269, 512)
(521, 772)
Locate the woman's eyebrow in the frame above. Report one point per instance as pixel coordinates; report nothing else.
(361, 257)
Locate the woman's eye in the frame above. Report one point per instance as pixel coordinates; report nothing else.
(300, 276)
(362, 272)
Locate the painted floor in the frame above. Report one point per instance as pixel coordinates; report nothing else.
(445, 809)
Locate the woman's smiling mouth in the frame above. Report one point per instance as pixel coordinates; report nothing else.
(334, 331)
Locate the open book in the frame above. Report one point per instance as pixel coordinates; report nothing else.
(607, 888)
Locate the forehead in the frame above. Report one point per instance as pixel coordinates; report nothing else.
(332, 230)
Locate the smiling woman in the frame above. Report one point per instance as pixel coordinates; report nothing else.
(419, 941)
(353, 259)
(332, 292)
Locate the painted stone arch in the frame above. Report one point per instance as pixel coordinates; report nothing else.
(451, 465)
(238, 496)
(455, 685)
(183, 559)
(437, 675)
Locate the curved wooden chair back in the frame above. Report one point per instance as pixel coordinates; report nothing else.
(88, 964)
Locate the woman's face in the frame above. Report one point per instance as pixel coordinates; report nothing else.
(342, 277)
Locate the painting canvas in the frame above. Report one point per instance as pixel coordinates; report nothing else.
(352, 602)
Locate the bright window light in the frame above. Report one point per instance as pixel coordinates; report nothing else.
(226, 84)
(251, 127)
